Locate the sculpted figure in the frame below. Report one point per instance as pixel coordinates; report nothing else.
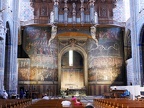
(95, 17)
(53, 34)
(52, 17)
(93, 34)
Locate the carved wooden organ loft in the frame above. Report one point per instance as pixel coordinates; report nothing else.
(73, 11)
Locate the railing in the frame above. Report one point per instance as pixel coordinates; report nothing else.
(34, 21)
(47, 22)
(112, 22)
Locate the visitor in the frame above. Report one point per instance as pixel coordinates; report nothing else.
(21, 94)
(5, 95)
(74, 98)
(66, 103)
(77, 103)
(26, 94)
(67, 91)
(89, 105)
(45, 97)
(125, 94)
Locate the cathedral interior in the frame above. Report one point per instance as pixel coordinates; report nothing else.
(81, 45)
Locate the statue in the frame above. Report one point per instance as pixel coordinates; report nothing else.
(93, 34)
(52, 17)
(95, 18)
(53, 34)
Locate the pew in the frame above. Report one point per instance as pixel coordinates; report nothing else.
(118, 103)
(14, 103)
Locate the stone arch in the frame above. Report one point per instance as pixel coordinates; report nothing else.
(7, 56)
(127, 42)
(8, 36)
(141, 46)
(85, 67)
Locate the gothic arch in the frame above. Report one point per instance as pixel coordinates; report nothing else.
(7, 56)
(83, 54)
(127, 42)
(141, 46)
(8, 36)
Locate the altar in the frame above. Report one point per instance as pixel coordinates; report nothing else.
(77, 92)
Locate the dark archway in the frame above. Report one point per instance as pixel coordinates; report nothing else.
(7, 56)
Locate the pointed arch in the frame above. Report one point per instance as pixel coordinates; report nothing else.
(7, 56)
(85, 67)
(141, 46)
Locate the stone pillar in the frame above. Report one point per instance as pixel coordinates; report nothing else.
(134, 43)
(2, 52)
(11, 72)
(14, 72)
(56, 3)
(1, 65)
(91, 4)
(65, 12)
(82, 11)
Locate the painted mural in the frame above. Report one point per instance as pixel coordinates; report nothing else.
(72, 79)
(24, 69)
(106, 59)
(43, 58)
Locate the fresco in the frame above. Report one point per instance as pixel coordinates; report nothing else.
(43, 58)
(24, 69)
(105, 60)
(41, 74)
(72, 78)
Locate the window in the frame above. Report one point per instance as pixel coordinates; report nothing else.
(70, 57)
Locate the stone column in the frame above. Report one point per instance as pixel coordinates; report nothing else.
(56, 3)
(11, 72)
(2, 51)
(14, 74)
(134, 43)
(91, 4)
